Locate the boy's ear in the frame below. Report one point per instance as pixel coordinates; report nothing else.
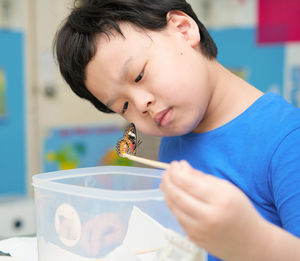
(185, 25)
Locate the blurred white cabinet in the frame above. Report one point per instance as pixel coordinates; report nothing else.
(17, 217)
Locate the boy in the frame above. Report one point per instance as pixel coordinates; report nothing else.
(154, 63)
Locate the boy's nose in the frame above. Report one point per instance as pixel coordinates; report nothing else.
(143, 101)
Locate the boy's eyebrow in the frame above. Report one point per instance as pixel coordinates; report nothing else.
(124, 70)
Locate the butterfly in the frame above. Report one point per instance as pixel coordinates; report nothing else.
(128, 143)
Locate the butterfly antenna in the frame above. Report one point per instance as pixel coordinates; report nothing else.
(139, 142)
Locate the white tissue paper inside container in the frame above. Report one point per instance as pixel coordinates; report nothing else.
(147, 240)
(143, 239)
(144, 233)
(51, 252)
(121, 253)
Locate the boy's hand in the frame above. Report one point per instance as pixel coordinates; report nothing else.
(215, 214)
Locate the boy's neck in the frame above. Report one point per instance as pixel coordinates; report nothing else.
(230, 96)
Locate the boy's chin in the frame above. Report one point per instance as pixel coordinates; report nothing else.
(176, 132)
(168, 131)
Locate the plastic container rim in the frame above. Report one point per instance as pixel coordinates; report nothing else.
(47, 181)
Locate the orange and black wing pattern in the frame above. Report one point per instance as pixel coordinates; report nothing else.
(128, 143)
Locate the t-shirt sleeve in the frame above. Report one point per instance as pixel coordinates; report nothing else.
(285, 181)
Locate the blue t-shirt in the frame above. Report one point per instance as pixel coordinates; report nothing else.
(258, 151)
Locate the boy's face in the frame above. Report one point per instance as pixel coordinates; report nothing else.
(157, 80)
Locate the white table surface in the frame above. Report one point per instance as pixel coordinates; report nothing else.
(20, 248)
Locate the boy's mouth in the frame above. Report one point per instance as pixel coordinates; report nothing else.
(163, 118)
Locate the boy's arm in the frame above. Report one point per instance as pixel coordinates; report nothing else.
(285, 181)
(217, 216)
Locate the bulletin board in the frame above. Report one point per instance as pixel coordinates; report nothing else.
(12, 113)
(82, 146)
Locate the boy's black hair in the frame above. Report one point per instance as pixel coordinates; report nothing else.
(75, 41)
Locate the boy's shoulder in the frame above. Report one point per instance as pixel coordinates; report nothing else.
(268, 121)
(278, 112)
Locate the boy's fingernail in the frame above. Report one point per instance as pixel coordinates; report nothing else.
(185, 166)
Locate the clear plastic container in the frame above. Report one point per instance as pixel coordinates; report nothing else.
(86, 211)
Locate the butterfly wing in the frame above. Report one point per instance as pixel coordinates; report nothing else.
(129, 142)
(131, 137)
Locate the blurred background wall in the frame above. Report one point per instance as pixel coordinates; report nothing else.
(45, 127)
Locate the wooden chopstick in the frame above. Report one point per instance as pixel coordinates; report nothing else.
(152, 163)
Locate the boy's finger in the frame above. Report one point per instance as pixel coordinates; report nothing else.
(185, 220)
(178, 199)
(190, 180)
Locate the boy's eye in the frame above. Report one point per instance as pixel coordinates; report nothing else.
(125, 106)
(139, 77)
